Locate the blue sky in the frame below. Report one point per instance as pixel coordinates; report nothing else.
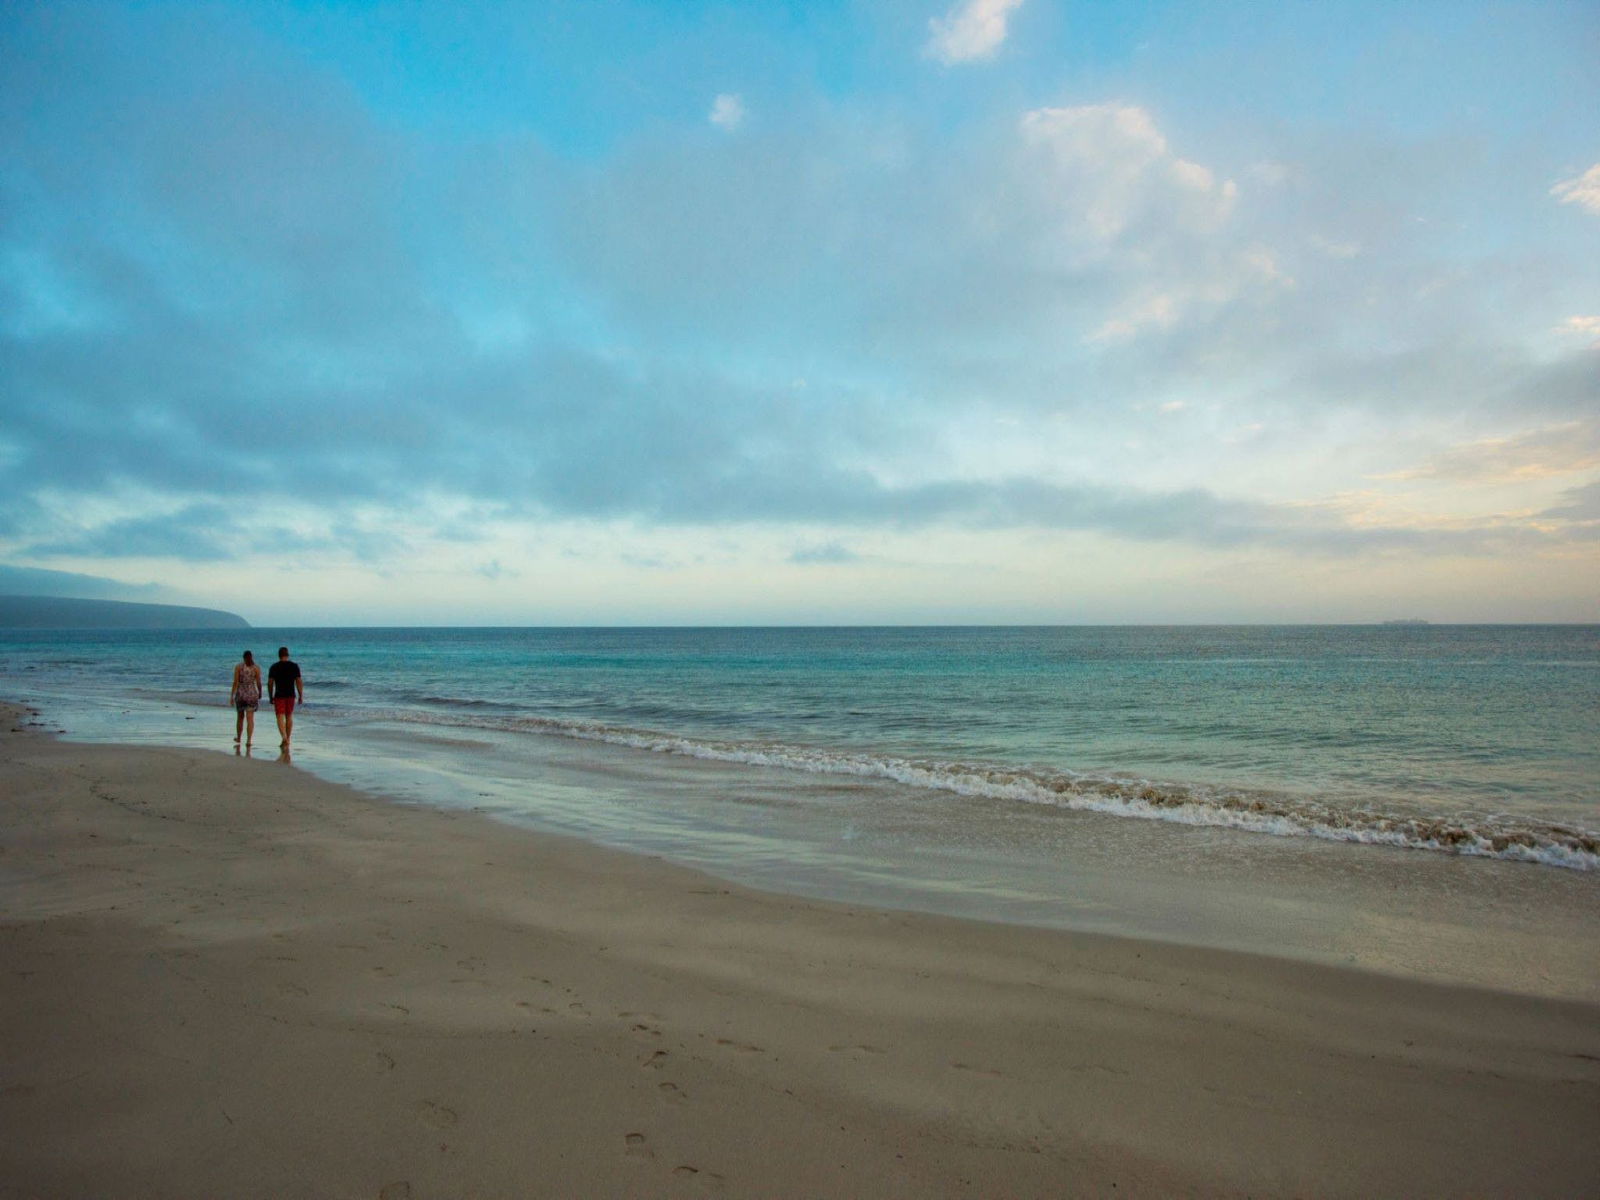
(1000, 310)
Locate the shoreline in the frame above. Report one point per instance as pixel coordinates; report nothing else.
(875, 843)
(231, 977)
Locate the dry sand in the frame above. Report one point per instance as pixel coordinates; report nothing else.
(224, 977)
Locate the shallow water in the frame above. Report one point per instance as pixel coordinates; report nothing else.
(983, 773)
(1470, 739)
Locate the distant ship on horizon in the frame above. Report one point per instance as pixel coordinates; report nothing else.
(1407, 621)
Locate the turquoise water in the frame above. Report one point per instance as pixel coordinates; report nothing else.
(1475, 740)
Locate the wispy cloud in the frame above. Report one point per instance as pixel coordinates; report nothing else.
(1585, 326)
(727, 111)
(971, 31)
(1564, 449)
(1584, 190)
(825, 554)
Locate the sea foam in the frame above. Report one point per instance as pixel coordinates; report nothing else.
(1253, 810)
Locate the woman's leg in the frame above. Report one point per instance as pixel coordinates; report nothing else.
(250, 724)
(238, 725)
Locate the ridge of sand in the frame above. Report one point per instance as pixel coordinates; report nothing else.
(224, 977)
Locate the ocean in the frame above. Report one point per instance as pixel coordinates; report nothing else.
(1004, 773)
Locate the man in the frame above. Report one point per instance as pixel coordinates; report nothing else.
(284, 686)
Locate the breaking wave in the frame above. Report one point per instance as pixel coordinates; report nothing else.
(1257, 811)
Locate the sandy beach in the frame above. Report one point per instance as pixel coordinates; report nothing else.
(225, 977)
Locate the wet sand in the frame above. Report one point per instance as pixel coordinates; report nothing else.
(222, 976)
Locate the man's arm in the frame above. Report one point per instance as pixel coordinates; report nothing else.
(300, 687)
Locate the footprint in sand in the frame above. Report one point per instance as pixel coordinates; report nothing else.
(637, 1146)
(990, 1071)
(703, 1180)
(436, 1115)
(1100, 1069)
(654, 1061)
(741, 1047)
(857, 1051)
(671, 1092)
(396, 1191)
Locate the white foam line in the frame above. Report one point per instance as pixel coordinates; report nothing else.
(1278, 815)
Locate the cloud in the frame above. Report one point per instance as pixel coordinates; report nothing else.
(727, 111)
(1580, 504)
(1536, 454)
(1335, 249)
(1584, 190)
(240, 317)
(1160, 311)
(1109, 174)
(36, 581)
(1584, 327)
(971, 31)
(827, 553)
(202, 531)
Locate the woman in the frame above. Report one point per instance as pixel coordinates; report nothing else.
(245, 695)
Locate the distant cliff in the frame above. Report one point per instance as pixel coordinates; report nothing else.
(58, 612)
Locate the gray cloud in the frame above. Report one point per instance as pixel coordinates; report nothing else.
(1579, 504)
(228, 288)
(193, 534)
(35, 581)
(826, 554)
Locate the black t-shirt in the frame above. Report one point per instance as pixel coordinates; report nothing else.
(280, 678)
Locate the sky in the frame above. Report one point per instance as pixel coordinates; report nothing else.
(836, 312)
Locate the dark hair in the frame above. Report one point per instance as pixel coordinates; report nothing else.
(283, 652)
(248, 659)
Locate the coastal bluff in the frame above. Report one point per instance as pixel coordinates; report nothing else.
(60, 612)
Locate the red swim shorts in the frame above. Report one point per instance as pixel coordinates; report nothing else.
(283, 705)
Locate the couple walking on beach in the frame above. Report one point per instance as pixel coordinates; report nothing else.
(284, 687)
